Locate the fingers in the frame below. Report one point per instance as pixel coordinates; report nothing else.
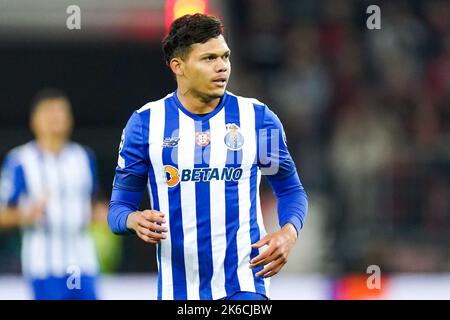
(275, 257)
(274, 264)
(40, 205)
(272, 269)
(150, 218)
(261, 242)
(264, 259)
(149, 228)
(36, 213)
(260, 259)
(153, 216)
(148, 239)
(151, 234)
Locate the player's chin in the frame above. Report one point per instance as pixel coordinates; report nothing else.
(217, 92)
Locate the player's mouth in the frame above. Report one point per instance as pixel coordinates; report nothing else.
(220, 81)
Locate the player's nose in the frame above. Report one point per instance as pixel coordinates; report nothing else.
(221, 66)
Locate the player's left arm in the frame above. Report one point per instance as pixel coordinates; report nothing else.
(277, 164)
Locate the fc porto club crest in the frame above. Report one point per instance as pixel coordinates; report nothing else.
(202, 138)
(233, 139)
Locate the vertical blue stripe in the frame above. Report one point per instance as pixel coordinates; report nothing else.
(254, 228)
(145, 120)
(255, 233)
(203, 215)
(15, 169)
(232, 206)
(170, 157)
(259, 124)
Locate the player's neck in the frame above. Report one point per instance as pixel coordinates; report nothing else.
(51, 144)
(195, 104)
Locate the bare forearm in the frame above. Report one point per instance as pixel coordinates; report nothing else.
(99, 212)
(10, 218)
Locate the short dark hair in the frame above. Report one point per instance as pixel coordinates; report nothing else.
(187, 30)
(48, 94)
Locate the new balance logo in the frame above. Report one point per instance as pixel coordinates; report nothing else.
(170, 142)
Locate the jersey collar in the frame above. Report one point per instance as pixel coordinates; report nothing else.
(196, 117)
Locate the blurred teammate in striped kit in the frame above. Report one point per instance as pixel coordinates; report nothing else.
(47, 189)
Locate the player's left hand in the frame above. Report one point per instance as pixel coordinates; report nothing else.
(276, 255)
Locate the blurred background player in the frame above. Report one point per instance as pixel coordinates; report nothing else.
(47, 189)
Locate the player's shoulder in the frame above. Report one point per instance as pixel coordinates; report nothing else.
(159, 103)
(75, 146)
(262, 110)
(23, 149)
(257, 104)
(16, 154)
(16, 151)
(79, 148)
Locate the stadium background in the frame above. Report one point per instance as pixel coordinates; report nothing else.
(366, 113)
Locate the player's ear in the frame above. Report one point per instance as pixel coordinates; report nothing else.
(34, 121)
(177, 66)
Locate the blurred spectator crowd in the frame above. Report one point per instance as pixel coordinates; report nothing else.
(367, 117)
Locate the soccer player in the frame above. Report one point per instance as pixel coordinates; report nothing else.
(47, 187)
(201, 150)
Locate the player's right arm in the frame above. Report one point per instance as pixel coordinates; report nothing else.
(12, 188)
(129, 184)
(11, 217)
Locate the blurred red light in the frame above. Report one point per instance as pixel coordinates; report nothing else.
(178, 8)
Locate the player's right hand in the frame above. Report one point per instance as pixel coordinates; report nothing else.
(145, 224)
(35, 213)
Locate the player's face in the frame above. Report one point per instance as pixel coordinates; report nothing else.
(52, 118)
(207, 68)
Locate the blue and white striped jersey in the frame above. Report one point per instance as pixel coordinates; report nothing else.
(67, 181)
(204, 173)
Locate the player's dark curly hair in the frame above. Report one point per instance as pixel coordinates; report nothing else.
(187, 30)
